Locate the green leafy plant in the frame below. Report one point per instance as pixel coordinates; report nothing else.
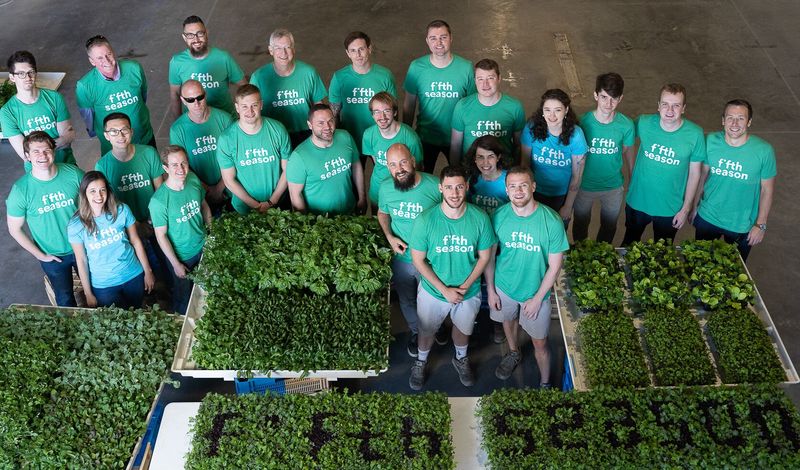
(744, 350)
(677, 350)
(614, 356)
(335, 430)
(659, 277)
(717, 276)
(595, 277)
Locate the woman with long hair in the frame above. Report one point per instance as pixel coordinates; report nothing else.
(112, 263)
(554, 146)
(487, 161)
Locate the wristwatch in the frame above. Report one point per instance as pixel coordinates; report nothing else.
(763, 227)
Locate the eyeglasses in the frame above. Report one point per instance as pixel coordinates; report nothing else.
(197, 98)
(385, 112)
(199, 34)
(28, 74)
(125, 131)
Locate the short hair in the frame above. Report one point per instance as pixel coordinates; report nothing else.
(281, 33)
(169, 150)
(318, 107)
(192, 19)
(246, 90)
(356, 35)
(98, 40)
(37, 136)
(452, 171)
(739, 102)
(612, 83)
(673, 89)
(20, 57)
(488, 64)
(438, 24)
(520, 170)
(116, 115)
(384, 97)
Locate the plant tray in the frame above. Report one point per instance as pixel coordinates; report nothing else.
(184, 365)
(570, 317)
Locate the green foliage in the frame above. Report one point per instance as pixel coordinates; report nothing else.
(745, 352)
(718, 278)
(677, 350)
(659, 278)
(614, 356)
(7, 90)
(75, 390)
(596, 278)
(702, 427)
(330, 431)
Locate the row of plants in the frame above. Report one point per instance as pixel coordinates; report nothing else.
(676, 348)
(75, 389)
(336, 430)
(695, 427)
(658, 275)
(610, 345)
(596, 278)
(744, 350)
(717, 277)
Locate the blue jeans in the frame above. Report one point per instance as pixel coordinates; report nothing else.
(705, 230)
(610, 205)
(182, 288)
(637, 221)
(60, 276)
(126, 295)
(405, 279)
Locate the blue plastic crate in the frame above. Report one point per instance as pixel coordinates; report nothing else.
(566, 383)
(259, 385)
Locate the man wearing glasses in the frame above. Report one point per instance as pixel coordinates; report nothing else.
(197, 131)
(35, 109)
(113, 86)
(214, 68)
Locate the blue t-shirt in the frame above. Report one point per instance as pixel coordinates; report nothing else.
(552, 161)
(111, 258)
(489, 195)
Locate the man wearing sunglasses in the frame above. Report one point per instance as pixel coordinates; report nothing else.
(215, 69)
(197, 131)
(35, 109)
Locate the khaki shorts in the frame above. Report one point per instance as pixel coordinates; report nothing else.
(431, 312)
(510, 310)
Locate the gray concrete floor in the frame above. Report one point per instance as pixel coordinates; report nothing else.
(719, 49)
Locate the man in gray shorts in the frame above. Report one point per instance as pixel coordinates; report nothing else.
(450, 245)
(520, 274)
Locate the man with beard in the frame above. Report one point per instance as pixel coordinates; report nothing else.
(252, 155)
(386, 132)
(214, 68)
(323, 169)
(530, 248)
(451, 244)
(403, 197)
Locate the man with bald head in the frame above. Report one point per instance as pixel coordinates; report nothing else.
(197, 131)
(402, 198)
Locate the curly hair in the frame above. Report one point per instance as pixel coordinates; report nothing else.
(492, 144)
(538, 124)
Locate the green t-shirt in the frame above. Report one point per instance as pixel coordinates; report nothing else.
(524, 244)
(353, 91)
(132, 181)
(604, 159)
(438, 91)
(47, 207)
(452, 246)
(257, 158)
(733, 188)
(288, 99)
(659, 176)
(18, 118)
(126, 95)
(215, 72)
(502, 120)
(200, 142)
(375, 145)
(181, 212)
(326, 174)
(403, 207)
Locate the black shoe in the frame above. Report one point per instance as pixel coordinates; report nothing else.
(545, 386)
(464, 370)
(411, 347)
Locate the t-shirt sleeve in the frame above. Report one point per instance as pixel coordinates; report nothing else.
(8, 124)
(419, 234)
(391, 88)
(15, 204)
(366, 143)
(82, 96)
(174, 74)
(61, 111)
(557, 237)
(410, 84)
(126, 215)
(284, 143)
(225, 156)
(154, 164)
(355, 155)
(487, 236)
(527, 136)
(235, 73)
(318, 91)
(519, 117)
(143, 77)
(295, 169)
(158, 213)
(699, 150)
(176, 135)
(383, 191)
(75, 230)
(629, 134)
(770, 168)
(334, 96)
(415, 147)
(457, 122)
(577, 143)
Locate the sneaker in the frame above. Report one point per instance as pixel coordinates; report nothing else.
(464, 371)
(417, 377)
(545, 386)
(411, 347)
(507, 365)
(499, 335)
(442, 336)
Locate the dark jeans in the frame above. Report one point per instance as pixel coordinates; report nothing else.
(705, 230)
(60, 276)
(553, 202)
(297, 138)
(158, 261)
(637, 221)
(126, 295)
(430, 153)
(182, 288)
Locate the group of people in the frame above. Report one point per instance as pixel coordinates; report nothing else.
(498, 211)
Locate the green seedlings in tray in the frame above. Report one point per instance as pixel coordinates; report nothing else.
(596, 278)
(659, 277)
(614, 357)
(717, 276)
(677, 351)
